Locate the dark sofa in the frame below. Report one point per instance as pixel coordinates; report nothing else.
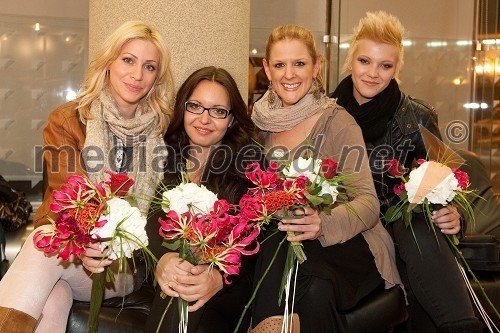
(113, 318)
(379, 312)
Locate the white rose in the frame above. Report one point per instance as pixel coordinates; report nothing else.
(189, 197)
(327, 188)
(172, 200)
(201, 199)
(433, 181)
(303, 167)
(126, 225)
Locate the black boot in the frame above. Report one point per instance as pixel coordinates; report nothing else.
(472, 325)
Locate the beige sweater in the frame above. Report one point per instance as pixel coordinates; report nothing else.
(336, 135)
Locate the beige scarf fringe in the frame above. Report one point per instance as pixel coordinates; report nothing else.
(276, 118)
(149, 150)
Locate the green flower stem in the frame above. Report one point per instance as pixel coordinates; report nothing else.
(458, 253)
(297, 248)
(182, 306)
(290, 261)
(96, 296)
(185, 254)
(164, 313)
(254, 294)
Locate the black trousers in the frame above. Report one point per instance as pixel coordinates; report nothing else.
(220, 314)
(332, 280)
(436, 291)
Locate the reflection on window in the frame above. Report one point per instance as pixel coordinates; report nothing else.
(485, 138)
(42, 63)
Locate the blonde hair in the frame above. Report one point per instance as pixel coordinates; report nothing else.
(160, 97)
(296, 32)
(380, 27)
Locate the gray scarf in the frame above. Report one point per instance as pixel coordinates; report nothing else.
(149, 150)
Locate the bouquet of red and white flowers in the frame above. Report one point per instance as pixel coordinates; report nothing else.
(283, 194)
(429, 187)
(304, 182)
(205, 230)
(95, 213)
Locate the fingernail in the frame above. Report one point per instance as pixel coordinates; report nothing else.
(100, 270)
(280, 227)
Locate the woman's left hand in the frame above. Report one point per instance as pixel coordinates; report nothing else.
(199, 286)
(307, 227)
(94, 259)
(447, 219)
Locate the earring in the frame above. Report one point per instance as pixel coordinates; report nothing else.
(316, 90)
(271, 96)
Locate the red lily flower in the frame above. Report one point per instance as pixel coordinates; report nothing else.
(259, 177)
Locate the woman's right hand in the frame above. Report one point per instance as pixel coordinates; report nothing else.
(93, 259)
(195, 284)
(168, 267)
(306, 228)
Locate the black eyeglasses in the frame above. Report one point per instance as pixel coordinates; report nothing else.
(217, 113)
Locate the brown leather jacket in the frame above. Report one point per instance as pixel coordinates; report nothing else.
(63, 139)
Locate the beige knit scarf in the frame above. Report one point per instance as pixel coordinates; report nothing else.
(276, 118)
(149, 151)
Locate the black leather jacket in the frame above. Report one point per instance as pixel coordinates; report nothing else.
(403, 141)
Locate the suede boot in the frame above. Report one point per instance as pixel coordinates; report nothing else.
(15, 321)
(472, 325)
(273, 325)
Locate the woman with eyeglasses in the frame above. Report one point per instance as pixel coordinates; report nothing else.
(210, 139)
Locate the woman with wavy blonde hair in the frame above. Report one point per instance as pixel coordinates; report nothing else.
(116, 123)
(161, 94)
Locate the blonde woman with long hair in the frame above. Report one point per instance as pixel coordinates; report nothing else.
(116, 123)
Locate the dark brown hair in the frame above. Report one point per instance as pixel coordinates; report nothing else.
(224, 173)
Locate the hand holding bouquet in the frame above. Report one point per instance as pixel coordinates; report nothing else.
(205, 230)
(95, 214)
(429, 187)
(303, 184)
